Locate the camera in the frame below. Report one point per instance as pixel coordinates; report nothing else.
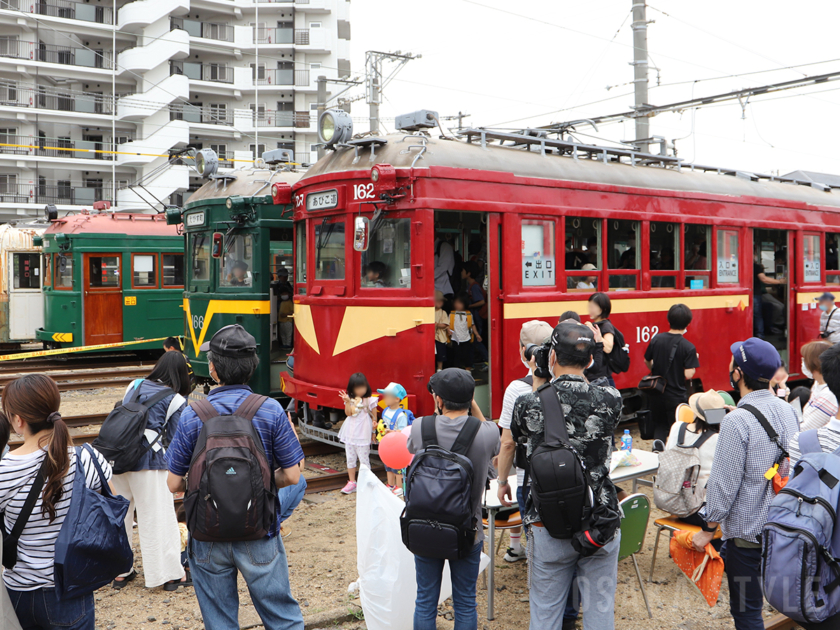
(540, 354)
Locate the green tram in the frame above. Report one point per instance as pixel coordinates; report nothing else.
(111, 278)
(239, 242)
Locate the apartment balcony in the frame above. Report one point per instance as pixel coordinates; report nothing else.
(205, 30)
(67, 9)
(50, 53)
(202, 72)
(64, 148)
(274, 35)
(201, 115)
(298, 120)
(14, 94)
(310, 6)
(138, 14)
(66, 195)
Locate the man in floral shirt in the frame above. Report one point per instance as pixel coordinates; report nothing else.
(592, 414)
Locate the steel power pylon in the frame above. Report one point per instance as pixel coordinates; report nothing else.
(376, 80)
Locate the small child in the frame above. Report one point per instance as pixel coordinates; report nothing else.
(441, 331)
(285, 317)
(360, 407)
(394, 418)
(462, 331)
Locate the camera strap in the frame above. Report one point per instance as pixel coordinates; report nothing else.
(828, 321)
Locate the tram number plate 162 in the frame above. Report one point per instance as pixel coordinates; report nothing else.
(646, 333)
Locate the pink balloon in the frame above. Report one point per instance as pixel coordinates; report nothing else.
(393, 450)
(407, 431)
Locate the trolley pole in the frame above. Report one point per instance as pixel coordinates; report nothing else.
(640, 73)
(322, 105)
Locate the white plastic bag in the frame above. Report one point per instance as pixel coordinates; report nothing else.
(387, 585)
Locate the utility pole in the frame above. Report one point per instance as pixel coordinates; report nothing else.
(375, 80)
(322, 105)
(640, 73)
(460, 117)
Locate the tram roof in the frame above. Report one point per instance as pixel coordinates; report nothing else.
(134, 224)
(245, 182)
(401, 151)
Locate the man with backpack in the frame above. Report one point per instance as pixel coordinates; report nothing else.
(442, 519)
(752, 443)
(572, 515)
(238, 448)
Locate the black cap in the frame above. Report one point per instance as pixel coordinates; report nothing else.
(453, 385)
(231, 341)
(573, 340)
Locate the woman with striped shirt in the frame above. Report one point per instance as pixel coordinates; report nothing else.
(822, 406)
(31, 405)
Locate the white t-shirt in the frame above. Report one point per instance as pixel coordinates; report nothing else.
(516, 389)
(444, 265)
(461, 332)
(706, 452)
(36, 545)
(357, 429)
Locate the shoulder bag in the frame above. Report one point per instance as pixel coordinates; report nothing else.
(11, 541)
(656, 384)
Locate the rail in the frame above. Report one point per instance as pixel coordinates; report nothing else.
(53, 194)
(15, 94)
(204, 115)
(204, 30)
(215, 73)
(50, 53)
(67, 9)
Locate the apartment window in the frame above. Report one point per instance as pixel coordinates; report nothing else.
(258, 31)
(314, 25)
(258, 73)
(8, 183)
(257, 112)
(220, 149)
(314, 66)
(343, 29)
(256, 150)
(218, 113)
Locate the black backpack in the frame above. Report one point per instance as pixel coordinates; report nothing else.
(121, 436)
(520, 454)
(559, 487)
(439, 520)
(619, 358)
(230, 485)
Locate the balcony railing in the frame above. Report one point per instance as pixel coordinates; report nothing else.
(50, 53)
(302, 36)
(272, 76)
(50, 193)
(202, 72)
(204, 115)
(302, 120)
(205, 30)
(68, 9)
(55, 147)
(14, 94)
(274, 35)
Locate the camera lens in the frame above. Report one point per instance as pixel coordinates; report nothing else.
(529, 351)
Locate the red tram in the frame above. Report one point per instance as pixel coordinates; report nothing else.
(657, 232)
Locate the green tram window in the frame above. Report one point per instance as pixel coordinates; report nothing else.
(63, 271)
(200, 261)
(144, 271)
(173, 270)
(330, 250)
(104, 271)
(387, 261)
(236, 261)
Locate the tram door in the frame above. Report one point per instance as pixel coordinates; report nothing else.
(771, 288)
(103, 313)
(26, 302)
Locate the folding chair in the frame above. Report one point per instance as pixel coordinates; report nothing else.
(671, 524)
(636, 511)
(507, 521)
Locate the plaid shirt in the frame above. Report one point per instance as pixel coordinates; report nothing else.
(738, 495)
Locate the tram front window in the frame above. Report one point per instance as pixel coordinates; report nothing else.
(329, 250)
(387, 261)
(63, 271)
(236, 261)
(200, 260)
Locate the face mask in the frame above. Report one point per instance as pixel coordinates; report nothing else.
(823, 308)
(732, 381)
(284, 297)
(806, 371)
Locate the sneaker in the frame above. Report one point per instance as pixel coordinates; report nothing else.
(350, 488)
(514, 556)
(397, 492)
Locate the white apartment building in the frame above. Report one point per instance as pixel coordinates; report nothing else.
(238, 76)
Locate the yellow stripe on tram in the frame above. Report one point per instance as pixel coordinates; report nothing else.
(223, 307)
(530, 310)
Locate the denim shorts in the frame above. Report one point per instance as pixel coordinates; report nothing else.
(396, 471)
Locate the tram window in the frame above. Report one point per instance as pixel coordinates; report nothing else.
(538, 268)
(47, 270)
(811, 249)
(387, 261)
(832, 264)
(27, 273)
(300, 245)
(623, 244)
(173, 270)
(329, 250)
(200, 256)
(236, 261)
(697, 247)
(63, 271)
(144, 272)
(104, 271)
(583, 242)
(664, 253)
(727, 257)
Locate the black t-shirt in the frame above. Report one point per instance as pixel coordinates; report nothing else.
(601, 367)
(759, 288)
(659, 351)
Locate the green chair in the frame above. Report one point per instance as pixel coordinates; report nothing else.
(634, 522)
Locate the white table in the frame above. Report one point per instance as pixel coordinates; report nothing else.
(649, 466)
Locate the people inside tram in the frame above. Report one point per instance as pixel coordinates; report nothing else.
(239, 275)
(588, 282)
(285, 316)
(831, 258)
(375, 274)
(768, 311)
(696, 257)
(444, 265)
(283, 280)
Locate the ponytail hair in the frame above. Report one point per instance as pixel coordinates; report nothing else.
(35, 399)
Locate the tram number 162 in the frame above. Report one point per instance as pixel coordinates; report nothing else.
(646, 333)
(363, 191)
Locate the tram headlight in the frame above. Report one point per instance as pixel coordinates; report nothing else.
(206, 163)
(334, 127)
(384, 177)
(281, 193)
(173, 216)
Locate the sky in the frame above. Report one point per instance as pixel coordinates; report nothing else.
(529, 63)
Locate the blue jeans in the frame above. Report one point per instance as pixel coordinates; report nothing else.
(214, 567)
(743, 572)
(290, 497)
(464, 574)
(42, 611)
(758, 316)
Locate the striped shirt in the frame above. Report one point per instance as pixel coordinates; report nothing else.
(36, 545)
(829, 437)
(821, 407)
(281, 445)
(738, 495)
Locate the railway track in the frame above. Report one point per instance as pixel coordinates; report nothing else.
(87, 379)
